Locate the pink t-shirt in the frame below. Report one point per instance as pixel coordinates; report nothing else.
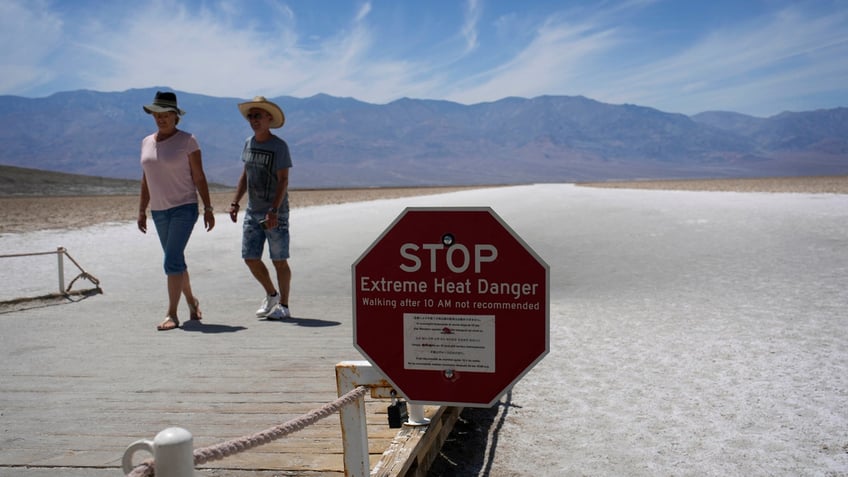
(167, 169)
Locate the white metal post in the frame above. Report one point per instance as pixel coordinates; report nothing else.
(416, 415)
(60, 253)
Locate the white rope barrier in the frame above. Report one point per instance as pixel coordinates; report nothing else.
(61, 252)
(241, 444)
(30, 254)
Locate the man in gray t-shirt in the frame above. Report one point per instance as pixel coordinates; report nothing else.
(265, 179)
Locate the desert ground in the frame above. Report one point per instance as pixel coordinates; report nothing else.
(798, 185)
(28, 213)
(692, 333)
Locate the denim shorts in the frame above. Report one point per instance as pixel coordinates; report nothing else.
(174, 227)
(254, 237)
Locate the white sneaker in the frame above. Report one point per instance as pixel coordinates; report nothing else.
(268, 304)
(279, 312)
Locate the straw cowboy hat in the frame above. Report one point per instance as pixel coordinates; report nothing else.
(277, 116)
(164, 101)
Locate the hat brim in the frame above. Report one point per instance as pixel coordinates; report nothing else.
(152, 108)
(277, 116)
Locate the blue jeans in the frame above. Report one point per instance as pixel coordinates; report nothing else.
(174, 227)
(254, 237)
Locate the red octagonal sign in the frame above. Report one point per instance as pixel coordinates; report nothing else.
(451, 306)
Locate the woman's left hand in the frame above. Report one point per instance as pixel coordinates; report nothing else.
(209, 220)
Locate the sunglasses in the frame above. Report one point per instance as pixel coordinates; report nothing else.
(253, 116)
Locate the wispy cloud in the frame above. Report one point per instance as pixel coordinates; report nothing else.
(467, 52)
(348, 63)
(198, 50)
(785, 55)
(30, 34)
(363, 12)
(469, 27)
(745, 66)
(550, 61)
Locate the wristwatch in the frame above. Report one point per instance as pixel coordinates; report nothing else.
(272, 210)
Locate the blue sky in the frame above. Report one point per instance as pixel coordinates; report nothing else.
(687, 56)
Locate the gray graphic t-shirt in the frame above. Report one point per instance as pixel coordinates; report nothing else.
(261, 161)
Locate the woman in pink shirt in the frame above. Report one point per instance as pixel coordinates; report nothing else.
(173, 176)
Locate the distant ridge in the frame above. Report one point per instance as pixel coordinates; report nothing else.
(20, 181)
(346, 143)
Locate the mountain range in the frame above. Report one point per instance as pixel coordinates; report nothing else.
(342, 142)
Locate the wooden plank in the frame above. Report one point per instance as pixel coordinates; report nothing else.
(413, 450)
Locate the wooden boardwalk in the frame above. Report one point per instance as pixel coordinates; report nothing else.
(80, 381)
(76, 391)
